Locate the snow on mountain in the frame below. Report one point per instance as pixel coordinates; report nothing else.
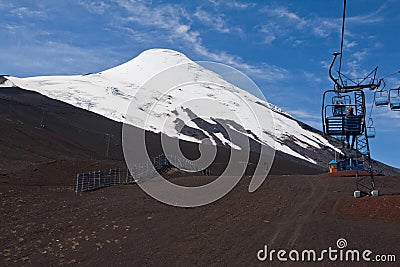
(110, 92)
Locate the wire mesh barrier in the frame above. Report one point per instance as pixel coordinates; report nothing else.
(160, 164)
(98, 179)
(139, 173)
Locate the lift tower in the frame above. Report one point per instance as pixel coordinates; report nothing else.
(345, 116)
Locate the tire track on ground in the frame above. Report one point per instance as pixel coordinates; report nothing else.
(291, 224)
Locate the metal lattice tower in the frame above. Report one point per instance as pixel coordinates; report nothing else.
(345, 126)
(362, 146)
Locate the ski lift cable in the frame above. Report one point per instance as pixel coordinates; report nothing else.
(349, 79)
(391, 74)
(371, 110)
(342, 41)
(384, 85)
(370, 119)
(358, 81)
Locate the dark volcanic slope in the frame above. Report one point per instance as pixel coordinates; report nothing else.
(53, 154)
(75, 140)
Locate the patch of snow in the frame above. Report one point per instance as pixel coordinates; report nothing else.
(227, 142)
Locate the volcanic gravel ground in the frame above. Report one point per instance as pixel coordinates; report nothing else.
(121, 225)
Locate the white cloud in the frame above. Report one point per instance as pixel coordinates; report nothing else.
(386, 120)
(174, 23)
(131, 34)
(324, 27)
(13, 28)
(296, 43)
(325, 64)
(371, 18)
(303, 114)
(352, 67)
(239, 5)
(23, 12)
(360, 55)
(216, 21)
(213, 20)
(94, 7)
(4, 5)
(349, 44)
(283, 12)
(393, 82)
(282, 22)
(311, 76)
(233, 4)
(270, 31)
(309, 118)
(264, 71)
(268, 39)
(286, 21)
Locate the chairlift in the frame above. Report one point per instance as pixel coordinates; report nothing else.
(341, 125)
(354, 124)
(371, 132)
(394, 99)
(381, 98)
(371, 129)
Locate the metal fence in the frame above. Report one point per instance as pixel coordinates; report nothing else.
(98, 179)
(138, 173)
(160, 164)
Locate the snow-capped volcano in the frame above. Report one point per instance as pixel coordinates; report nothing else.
(111, 92)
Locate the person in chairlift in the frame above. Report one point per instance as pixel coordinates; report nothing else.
(339, 108)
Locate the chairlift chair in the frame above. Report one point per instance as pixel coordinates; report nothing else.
(352, 125)
(381, 98)
(335, 124)
(394, 99)
(371, 132)
(371, 129)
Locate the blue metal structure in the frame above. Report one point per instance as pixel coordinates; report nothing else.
(394, 99)
(343, 126)
(371, 129)
(381, 98)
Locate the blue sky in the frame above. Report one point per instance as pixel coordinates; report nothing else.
(284, 46)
